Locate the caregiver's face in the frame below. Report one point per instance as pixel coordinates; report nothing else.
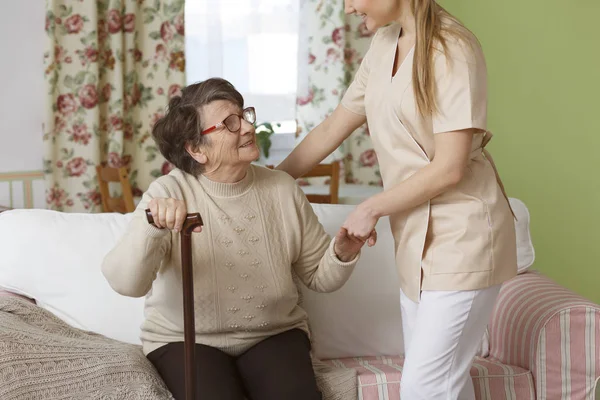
(375, 13)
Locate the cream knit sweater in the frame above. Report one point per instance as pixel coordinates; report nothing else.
(259, 234)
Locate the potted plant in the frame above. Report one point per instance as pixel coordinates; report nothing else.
(264, 131)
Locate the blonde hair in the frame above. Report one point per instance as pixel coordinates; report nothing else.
(434, 25)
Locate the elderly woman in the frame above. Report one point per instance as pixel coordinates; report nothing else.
(260, 233)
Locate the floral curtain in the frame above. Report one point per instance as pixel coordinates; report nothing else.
(332, 45)
(110, 68)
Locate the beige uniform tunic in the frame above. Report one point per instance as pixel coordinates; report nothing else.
(463, 239)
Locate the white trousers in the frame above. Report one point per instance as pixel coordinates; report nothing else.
(442, 335)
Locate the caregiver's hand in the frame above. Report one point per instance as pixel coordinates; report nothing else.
(361, 225)
(169, 213)
(346, 247)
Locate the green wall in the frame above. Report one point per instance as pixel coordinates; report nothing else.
(543, 62)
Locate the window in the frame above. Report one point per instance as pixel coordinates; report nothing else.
(254, 45)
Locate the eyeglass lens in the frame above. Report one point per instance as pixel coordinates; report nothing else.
(233, 121)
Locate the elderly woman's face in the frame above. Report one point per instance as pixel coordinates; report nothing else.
(226, 148)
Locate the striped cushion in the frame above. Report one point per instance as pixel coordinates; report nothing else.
(549, 330)
(379, 379)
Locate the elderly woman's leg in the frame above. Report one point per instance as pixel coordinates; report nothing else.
(279, 368)
(216, 372)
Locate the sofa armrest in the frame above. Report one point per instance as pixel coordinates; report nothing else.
(545, 328)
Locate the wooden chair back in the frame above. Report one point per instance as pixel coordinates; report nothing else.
(123, 204)
(324, 170)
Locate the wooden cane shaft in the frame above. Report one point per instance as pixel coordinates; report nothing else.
(187, 276)
(189, 326)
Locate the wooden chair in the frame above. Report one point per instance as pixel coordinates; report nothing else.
(123, 204)
(324, 170)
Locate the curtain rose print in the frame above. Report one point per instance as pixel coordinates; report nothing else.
(332, 46)
(110, 68)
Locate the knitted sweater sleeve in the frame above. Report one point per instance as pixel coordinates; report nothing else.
(131, 266)
(317, 265)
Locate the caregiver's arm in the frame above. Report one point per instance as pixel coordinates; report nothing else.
(446, 170)
(328, 135)
(131, 266)
(321, 141)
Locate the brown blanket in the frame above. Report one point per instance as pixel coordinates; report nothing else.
(42, 357)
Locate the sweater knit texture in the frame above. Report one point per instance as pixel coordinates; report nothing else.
(260, 236)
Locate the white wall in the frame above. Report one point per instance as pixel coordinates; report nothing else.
(21, 84)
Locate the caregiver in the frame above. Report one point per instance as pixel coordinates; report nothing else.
(422, 88)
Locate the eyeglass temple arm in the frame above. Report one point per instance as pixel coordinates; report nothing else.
(212, 128)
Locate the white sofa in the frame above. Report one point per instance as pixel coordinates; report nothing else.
(55, 259)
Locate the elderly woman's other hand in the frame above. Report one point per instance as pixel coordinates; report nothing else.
(346, 246)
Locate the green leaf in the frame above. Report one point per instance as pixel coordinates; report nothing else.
(146, 95)
(102, 6)
(155, 35)
(118, 5)
(329, 11)
(265, 126)
(148, 19)
(264, 140)
(69, 82)
(80, 77)
(157, 5)
(48, 166)
(156, 173)
(68, 153)
(63, 11)
(176, 6)
(130, 77)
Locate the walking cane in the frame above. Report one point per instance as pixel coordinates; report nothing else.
(189, 329)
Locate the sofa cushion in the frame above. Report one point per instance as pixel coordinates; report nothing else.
(379, 378)
(363, 317)
(55, 258)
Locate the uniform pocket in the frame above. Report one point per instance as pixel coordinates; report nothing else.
(460, 236)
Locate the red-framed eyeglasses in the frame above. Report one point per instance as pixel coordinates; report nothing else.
(234, 122)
